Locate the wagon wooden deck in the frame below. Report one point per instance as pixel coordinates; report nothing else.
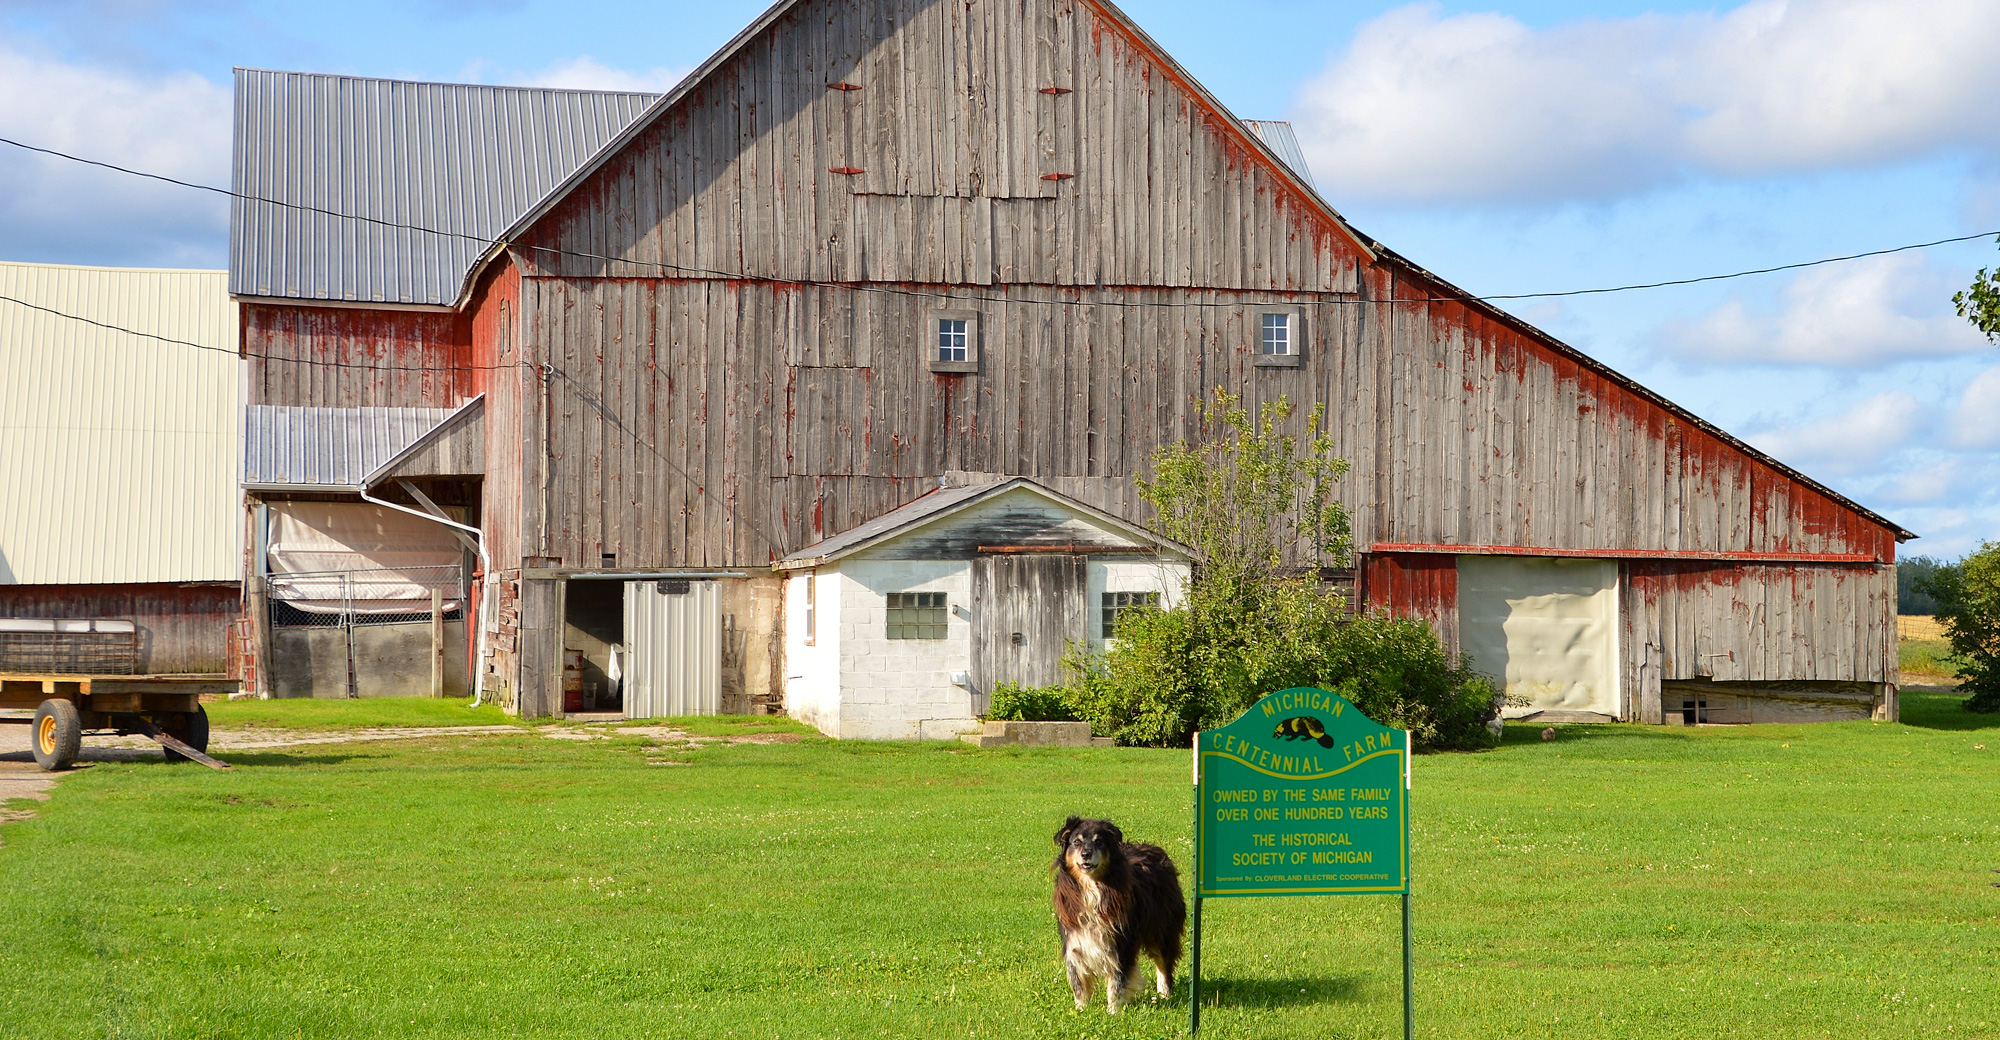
(166, 708)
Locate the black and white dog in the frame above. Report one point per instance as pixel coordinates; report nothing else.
(1115, 899)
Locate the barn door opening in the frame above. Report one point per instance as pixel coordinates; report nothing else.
(1026, 610)
(673, 641)
(1547, 629)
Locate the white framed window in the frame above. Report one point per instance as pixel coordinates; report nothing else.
(1117, 601)
(812, 607)
(1280, 333)
(951, 341)
(916, 615)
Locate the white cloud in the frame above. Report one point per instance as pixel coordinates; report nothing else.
(587, 73)
(1852, 440)
(54, 209)
(1860, 314)
(1975, 423)
(1479, 107)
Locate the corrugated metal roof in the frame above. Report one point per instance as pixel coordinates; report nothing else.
(948, 500)
(295, 447)
(117, 452)
(1278, 136)
(445, 156)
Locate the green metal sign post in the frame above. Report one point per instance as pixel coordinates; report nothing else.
(1302, 795)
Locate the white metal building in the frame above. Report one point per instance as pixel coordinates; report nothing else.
(118, 465)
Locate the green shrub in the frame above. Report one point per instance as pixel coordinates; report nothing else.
(1250, 498)
(1165, 676)
(1013, 702)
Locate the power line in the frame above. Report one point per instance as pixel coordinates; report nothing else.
(272, 358)
(487, 243)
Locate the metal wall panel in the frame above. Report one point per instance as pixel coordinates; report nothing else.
(117, 452)
(460, 161)
(673, 643)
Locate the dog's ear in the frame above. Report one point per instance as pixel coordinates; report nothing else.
(1068, 828)
(1117, 836)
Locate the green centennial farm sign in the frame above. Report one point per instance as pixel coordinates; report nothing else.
(1302, 795)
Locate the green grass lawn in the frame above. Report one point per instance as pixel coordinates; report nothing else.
(1619, 881)
(303, 713)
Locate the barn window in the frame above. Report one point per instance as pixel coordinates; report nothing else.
(1280, 337)
(916, 615)
(1117, 601)
(952, 341)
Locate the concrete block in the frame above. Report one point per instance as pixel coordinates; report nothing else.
(1032, 734)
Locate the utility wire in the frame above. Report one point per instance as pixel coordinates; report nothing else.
(487, 243)
(272, 358)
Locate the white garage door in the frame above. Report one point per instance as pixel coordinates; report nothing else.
(1546, 628)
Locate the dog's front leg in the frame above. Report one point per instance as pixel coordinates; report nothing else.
(1080, 986)
(1114, 990)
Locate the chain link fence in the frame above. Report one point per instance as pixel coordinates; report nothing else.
(341, 599)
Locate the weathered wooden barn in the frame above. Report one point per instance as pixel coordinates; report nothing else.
(873, 246)
(118, 523)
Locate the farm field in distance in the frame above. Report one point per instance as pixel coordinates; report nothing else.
(1759, 881)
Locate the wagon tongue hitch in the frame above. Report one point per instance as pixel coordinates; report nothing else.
(170, 741)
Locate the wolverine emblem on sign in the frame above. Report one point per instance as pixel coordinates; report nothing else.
(1303, 727)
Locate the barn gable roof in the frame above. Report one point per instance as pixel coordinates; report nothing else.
(1250, 137)
(459, 160)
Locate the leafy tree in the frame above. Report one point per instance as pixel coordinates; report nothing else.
(1262, 518)
(1980, 303)
(1910, 574)
(1968, 603)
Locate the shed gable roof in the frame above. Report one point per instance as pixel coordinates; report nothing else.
(944, 503)
(455, 158)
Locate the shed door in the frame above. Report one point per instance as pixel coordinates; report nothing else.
(1547, 628)
(1026, 610)
(673, 642)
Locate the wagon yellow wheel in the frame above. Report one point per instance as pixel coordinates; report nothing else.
(57, 735)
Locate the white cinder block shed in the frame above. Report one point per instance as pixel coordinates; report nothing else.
(900, 628)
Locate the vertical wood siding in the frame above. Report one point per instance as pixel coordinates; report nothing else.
(183, 628)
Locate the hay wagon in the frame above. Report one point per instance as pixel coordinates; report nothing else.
(75, 676)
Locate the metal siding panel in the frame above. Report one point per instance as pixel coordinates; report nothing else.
(118, 453)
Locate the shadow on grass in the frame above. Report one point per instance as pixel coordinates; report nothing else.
(1231, 991)
(272, 758)
(1939, 709)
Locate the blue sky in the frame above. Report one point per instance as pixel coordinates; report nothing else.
(1511, 147)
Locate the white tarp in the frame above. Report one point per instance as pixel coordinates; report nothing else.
(1546, 628)
(327, 557)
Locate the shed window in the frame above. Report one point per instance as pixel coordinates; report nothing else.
(1276, 334)
(812, 609)
(916, 615)
(1117, 601)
